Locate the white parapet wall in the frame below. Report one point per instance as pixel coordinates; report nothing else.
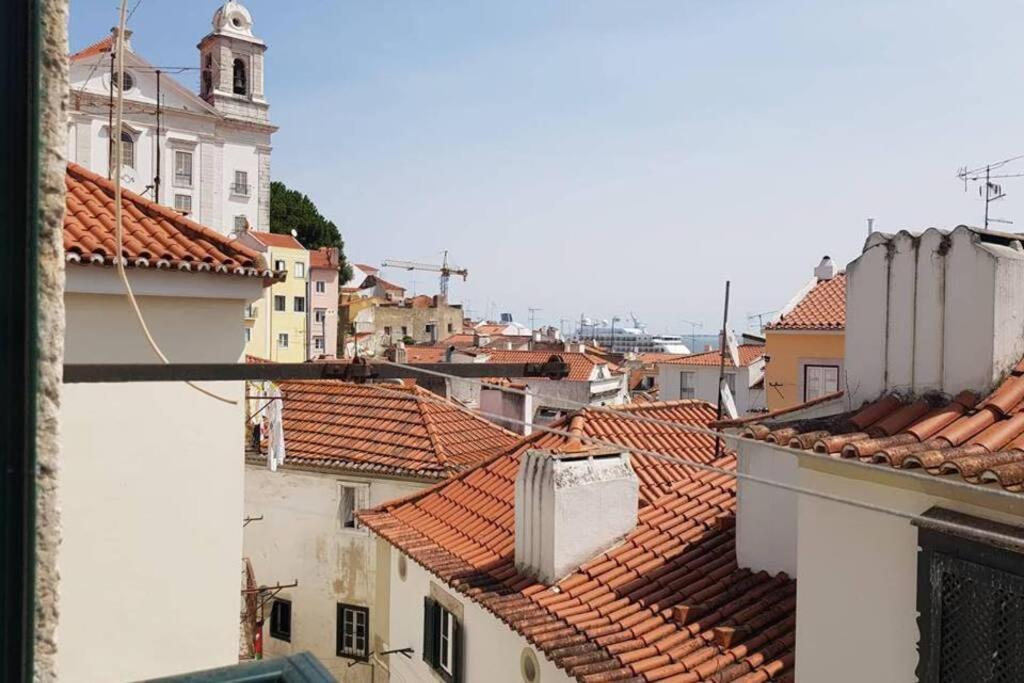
(940, 311)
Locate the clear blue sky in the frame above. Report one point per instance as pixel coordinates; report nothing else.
(605, 157)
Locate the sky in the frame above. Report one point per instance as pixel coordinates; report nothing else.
(617, 158)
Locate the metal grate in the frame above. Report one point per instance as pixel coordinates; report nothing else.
(980, 621)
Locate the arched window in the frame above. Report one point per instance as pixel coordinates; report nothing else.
(208, 75)
(239, 81)
(127, 150)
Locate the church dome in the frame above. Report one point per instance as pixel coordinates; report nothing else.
(233, 18)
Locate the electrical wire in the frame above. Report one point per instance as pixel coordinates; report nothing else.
(962, 529)
(118, 213)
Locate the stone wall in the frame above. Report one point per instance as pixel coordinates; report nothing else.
(50, 288)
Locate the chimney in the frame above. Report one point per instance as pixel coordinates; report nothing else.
(940, 311)
(401, 355)
(826, 270)
(570, 507)
(127, 38)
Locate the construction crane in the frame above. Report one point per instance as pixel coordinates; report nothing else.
(446, 270)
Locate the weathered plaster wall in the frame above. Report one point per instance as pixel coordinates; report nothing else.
(301, 538)
(789, 353)
(50, 290)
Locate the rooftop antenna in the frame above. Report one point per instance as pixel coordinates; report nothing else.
(871, 226)
(761, 316)
(988, 190)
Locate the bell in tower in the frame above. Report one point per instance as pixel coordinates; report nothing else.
(231, 63)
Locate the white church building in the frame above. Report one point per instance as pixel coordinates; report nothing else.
(207, 155)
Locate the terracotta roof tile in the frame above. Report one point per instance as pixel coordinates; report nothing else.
(748, 354)
(154, 235)
(99, 47)
(324, 257)
(273, 239)
(822, 308)
(980, 442)
(614, 619)
(581, 365)
(383, 429)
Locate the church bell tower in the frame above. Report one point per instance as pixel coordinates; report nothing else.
(231, 65)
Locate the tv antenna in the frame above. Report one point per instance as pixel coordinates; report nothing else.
(988, 190)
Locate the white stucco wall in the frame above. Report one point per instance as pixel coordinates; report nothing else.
(857, 587)
(492, 650)
(934, 311)
(300, 538)
(150, 487)
(766, 516)
(706, 384)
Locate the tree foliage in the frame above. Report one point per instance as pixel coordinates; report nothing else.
(293, 210)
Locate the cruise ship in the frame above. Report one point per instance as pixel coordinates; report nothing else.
(631, 339)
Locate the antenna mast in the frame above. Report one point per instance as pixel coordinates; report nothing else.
(988, 190)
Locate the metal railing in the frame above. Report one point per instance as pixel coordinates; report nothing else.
(240, 189)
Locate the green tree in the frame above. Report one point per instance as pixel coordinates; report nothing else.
(292, 210)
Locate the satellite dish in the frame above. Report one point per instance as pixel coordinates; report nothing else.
(295, 233)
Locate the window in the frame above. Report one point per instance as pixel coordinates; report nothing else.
(241, 185)
(127, 80)
(428, 329)
(318, 343)
(207, 75)
(183, 203)
(241, 223)
(387, 330)
(299, 305)
(127, 150)
(280, 265)
(248, 335)
(281, 620)
(351, 499)
(319, 315)
(300, 269)
(730, 380)
(405, 331)
(321, 286)
(687, 384)
(282, 340)
(353, 630)
(250, 310)
(820, 380)
(442, 640)
(970, 601)
(238, 81)
(279, 302)
(182, 169)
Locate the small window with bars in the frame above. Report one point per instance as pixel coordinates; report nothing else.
(353, 632)
(183, 203)
(970, 599)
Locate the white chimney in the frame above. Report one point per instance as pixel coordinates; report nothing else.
(826, 270)
(570, 507)
(939, 311)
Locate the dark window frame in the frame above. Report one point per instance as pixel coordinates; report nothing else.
(943, 551)
(433, 612)
(283, 300)
(340, 632)
(276, 630)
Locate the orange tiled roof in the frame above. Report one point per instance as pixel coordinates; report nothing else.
(321, 258)
(366, 269)
(99, 47)
(425, 354)
(154, 235)
(273, 239)
(979, 441)
(457, 340)
(581, 365)
(670, 603)
(386, 429)
(822, 308)
(658, 357)
(748, 354)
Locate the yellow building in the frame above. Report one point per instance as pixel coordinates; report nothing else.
(805, 346)
(277, 326)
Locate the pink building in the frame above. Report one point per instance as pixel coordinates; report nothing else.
(323, 302)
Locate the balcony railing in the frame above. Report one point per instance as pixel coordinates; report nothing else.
(240, 189)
